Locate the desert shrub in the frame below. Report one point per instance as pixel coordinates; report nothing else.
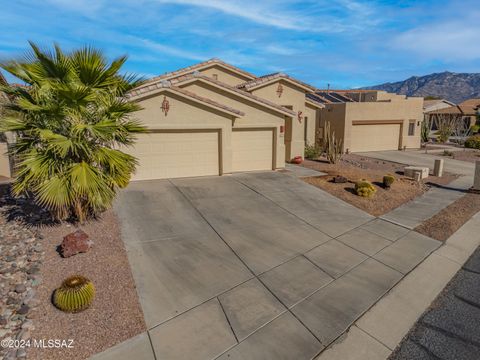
(474, 129)
(75, 294)
(388, 180)
(473, 142)
(364, 188)
(312, 151)
(447, 153)
(332, 146)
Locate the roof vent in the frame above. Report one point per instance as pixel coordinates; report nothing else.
(165, 83)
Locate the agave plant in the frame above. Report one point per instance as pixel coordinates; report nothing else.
(71, 120)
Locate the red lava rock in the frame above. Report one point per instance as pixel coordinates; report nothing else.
(75, 243)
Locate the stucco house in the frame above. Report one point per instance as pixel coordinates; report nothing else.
(371, 120)
(213, 118)
(437, 104)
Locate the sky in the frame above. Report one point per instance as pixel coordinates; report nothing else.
(344, 43)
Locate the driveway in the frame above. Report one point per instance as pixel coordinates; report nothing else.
(254, 266)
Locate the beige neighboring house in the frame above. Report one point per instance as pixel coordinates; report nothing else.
(371, 120)
(5, 165)
(467, 112)
(437, 104)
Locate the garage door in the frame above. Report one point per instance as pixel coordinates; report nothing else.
(375, 137)
(252, 150)
(176, 154)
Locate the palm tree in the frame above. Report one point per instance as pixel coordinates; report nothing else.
(70, 121)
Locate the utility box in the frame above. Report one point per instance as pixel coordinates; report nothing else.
(410, 171)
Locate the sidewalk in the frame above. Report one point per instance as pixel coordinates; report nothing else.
(377, 333)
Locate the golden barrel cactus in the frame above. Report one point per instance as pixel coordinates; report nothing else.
(364, 188)
(75, 294)
(388, 180)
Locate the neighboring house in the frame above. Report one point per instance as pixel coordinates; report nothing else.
(438, 104)
(371, 120)
(466, 112)
(213, 118)
(5, 165)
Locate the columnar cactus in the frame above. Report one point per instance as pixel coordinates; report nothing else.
(75, 294)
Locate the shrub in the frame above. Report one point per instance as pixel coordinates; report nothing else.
(473, 142)
(312, 151)
(388, 180)
(475, 129)
(447, 153)
(75, 294)
(364, 188)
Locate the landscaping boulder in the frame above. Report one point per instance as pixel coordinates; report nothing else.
(75, 243)
(340, 179)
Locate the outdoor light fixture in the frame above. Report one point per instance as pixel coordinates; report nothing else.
(279, 90)
(165, 106)
(300, 116)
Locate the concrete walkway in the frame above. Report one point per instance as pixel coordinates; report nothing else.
(254, 266)
(424, 207)
(377, 333)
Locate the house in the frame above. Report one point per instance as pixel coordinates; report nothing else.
(5, 165)
(213, 118)
(466, 113)
(436, 104)
(371, 120)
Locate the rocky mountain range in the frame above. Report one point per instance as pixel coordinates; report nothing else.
(455, 87)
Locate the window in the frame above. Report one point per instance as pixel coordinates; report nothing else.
(411, 129)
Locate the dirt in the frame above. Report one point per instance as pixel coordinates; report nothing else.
(115, 314)
(442, 225)
(355, 168)
(470, 155)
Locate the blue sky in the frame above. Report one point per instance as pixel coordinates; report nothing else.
(346, 43)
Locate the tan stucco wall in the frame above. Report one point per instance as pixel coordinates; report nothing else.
(335, 115)
(186, 114)
(341, 117)
(256, 115)
(295, 98)
(224, 75)
(311, 113)
(4, 161)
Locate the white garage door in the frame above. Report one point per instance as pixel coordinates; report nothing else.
(375, 137)
(252, 150)
(176, 154)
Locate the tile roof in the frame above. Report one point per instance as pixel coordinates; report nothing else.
(469, 107)
(257, 99)
(269, 77)
(145, 91)
(195, 67)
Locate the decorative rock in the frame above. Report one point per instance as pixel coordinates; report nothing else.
(23, 309)
(75, 243)
(3, 321)
(20, 288)
(340, 179)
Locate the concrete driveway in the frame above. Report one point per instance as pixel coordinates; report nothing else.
(254, 266)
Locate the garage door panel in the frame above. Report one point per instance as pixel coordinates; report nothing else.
(176, 154)
(252, 150)
(375, 137)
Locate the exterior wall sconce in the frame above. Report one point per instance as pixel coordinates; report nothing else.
(165, 105)
(279, 90)
(300, 116)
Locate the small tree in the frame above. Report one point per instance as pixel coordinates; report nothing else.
(71, 120)
(446, 124)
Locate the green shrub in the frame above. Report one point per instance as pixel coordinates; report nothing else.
(474, 129)
(388, 180)
(473, 142)
(364, 188)
(75, 294)
(312, 151)
(447, 153)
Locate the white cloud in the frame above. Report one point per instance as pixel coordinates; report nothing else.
(168, 50)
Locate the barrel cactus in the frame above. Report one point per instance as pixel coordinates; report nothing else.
(75, 294)
(364, 188)
(388, 180)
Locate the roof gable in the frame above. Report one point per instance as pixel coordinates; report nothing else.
(159, 88)
(197, 67)
(233, 90)
(272, 78)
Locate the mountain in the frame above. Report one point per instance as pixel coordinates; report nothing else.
(455, 87)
